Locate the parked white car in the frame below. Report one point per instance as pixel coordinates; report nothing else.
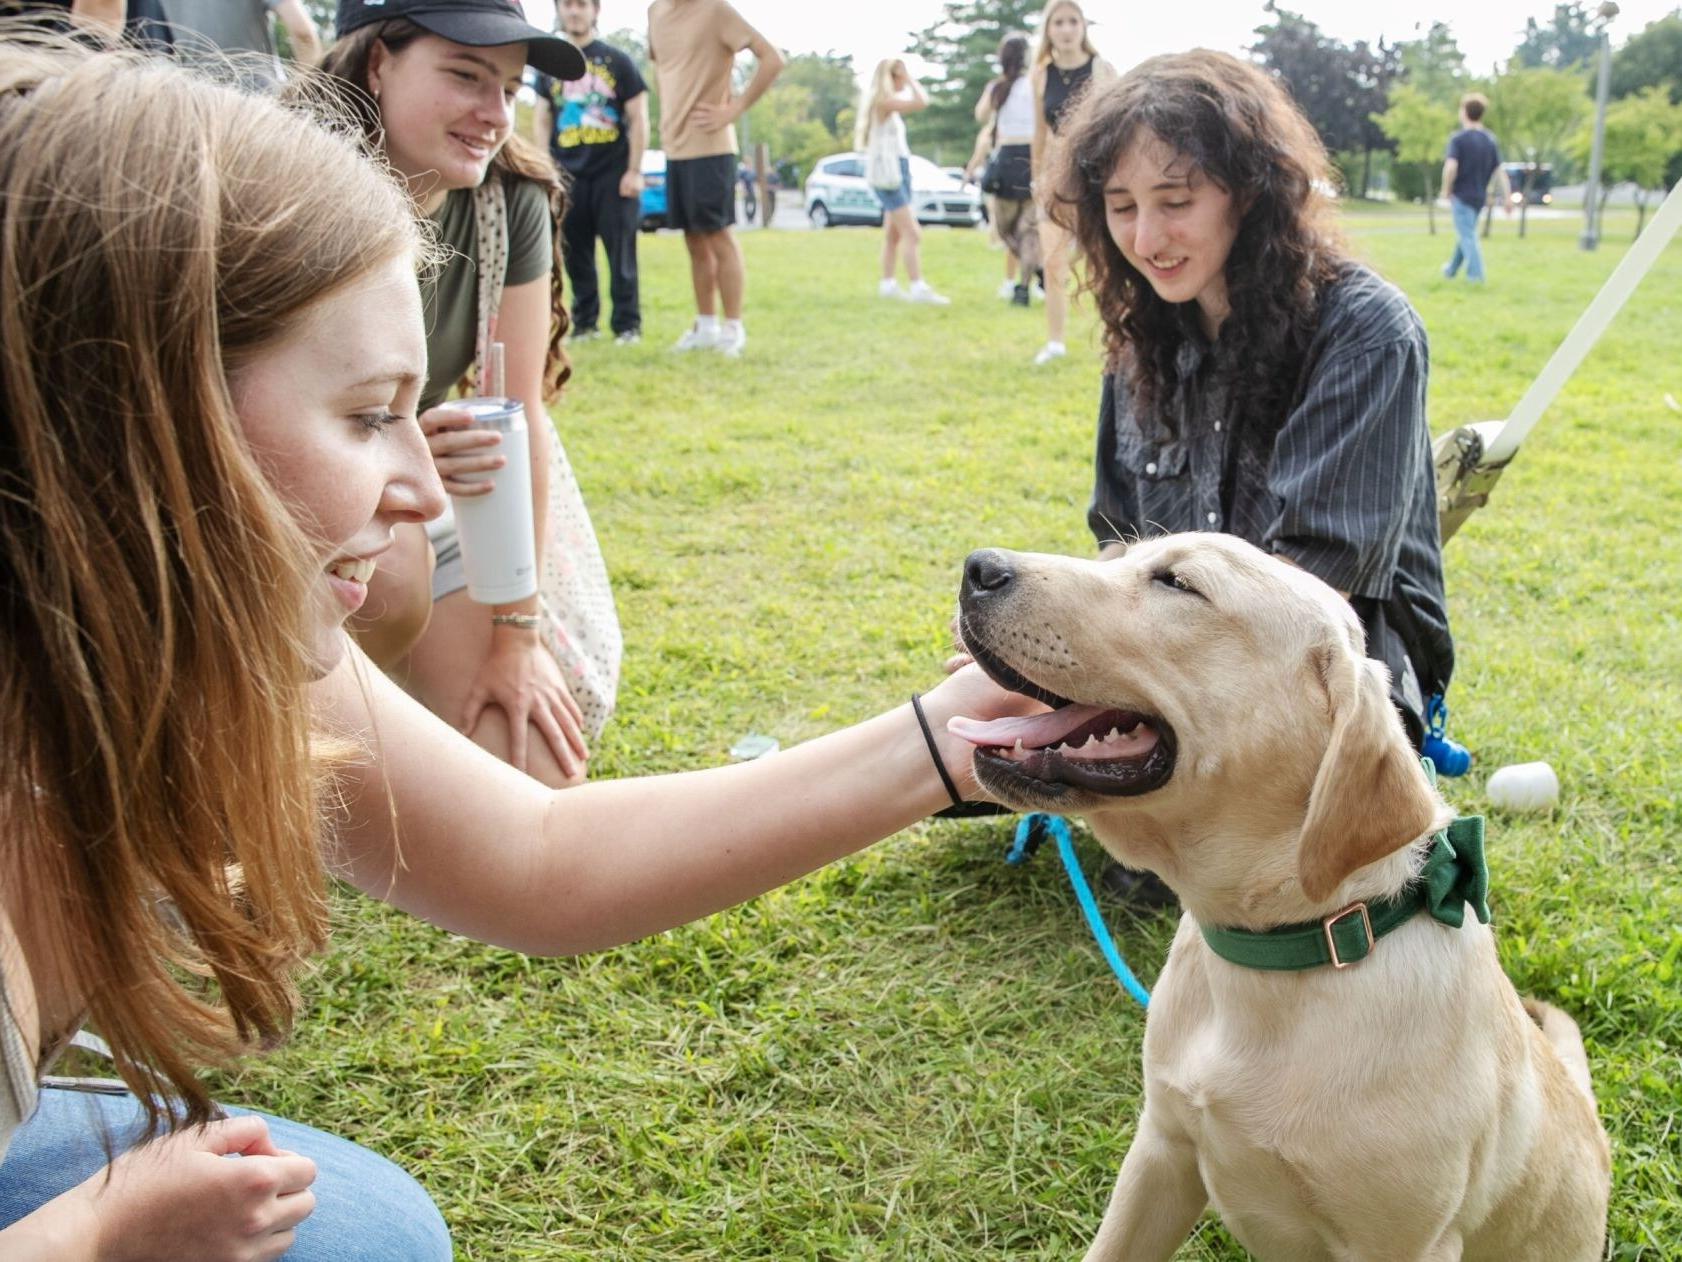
(838, 193)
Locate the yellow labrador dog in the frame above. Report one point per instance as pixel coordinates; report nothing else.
(1368, 1086)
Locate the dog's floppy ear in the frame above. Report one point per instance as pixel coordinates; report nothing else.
(1370, 795)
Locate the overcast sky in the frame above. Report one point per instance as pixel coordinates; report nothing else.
(1487, 30)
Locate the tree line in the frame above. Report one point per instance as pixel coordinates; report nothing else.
(1384, 109)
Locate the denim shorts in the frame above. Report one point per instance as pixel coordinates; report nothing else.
(893, 198)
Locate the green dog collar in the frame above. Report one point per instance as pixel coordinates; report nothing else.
(1454, 874)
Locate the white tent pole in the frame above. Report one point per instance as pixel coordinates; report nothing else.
(1590, 325)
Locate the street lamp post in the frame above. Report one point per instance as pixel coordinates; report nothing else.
(1591, 192)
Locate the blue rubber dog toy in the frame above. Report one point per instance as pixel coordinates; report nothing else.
(1449, 757)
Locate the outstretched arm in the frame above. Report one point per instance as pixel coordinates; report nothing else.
(434, 825)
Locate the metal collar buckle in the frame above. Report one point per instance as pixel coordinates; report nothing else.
(1331, 942)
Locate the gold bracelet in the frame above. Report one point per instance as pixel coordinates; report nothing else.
(525, 621)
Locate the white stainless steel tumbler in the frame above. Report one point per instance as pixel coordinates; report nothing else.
(498, 551)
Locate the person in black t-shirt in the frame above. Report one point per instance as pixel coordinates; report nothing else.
(1473, 158)
(597, 128)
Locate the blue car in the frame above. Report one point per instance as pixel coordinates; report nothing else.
(653, 211)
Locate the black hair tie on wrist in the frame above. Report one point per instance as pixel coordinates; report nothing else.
(959, 809)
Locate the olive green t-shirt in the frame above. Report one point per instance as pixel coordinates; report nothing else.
(451, 299)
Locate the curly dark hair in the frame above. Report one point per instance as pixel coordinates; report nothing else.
(1235, 125)
(345, 71)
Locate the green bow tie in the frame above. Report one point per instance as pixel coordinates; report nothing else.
(1454, 875)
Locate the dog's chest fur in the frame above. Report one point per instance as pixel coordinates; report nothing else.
(1245, 1139)
(1293, 1118)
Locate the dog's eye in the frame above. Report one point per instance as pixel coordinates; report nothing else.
(1177, 581)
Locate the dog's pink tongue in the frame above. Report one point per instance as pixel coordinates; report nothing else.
(1035, 731)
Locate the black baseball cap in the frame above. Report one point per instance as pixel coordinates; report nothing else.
(476, 23)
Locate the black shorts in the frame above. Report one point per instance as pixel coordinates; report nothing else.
(701, 193)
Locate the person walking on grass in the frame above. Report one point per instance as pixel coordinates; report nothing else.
(693, 44)
(1473, 159)
(1005, 110)
(880, 131)
(1065, 65)
(596, 127)
(211, 435)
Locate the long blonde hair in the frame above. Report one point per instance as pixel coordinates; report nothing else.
(1042, 53)
(160, 806)
(879, 89)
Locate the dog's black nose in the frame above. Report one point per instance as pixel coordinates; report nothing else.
(987, 571)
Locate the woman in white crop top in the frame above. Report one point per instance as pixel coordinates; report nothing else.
(1005, 111)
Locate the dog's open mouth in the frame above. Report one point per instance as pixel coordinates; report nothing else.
(1098, 749)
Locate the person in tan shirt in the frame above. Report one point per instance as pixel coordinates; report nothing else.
(693, 44)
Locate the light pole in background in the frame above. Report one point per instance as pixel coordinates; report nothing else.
(1591, 191)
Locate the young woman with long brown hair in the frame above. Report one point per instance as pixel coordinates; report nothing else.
(1066, 65)
(212, 350)
(1260, 380)
(432, 83)
(1005, 110)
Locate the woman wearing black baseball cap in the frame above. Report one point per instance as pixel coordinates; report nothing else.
(432, 83)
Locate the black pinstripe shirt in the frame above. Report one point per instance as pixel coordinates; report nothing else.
(1344, 487)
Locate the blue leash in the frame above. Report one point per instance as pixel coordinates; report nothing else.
(1030, 832)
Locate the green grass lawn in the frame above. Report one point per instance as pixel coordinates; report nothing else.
(918, 1053)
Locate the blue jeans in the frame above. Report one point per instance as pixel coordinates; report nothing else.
(366, 1210)
(893, 198)
(1465, 240)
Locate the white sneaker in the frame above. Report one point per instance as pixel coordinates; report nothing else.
(731, 341)
(1038, 291)
(1049, 352)
(890, 289)
(695, 338)
(920, 292)
(1007, 289)
(630, 337)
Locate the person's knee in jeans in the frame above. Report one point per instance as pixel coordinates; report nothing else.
(367, 1207)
